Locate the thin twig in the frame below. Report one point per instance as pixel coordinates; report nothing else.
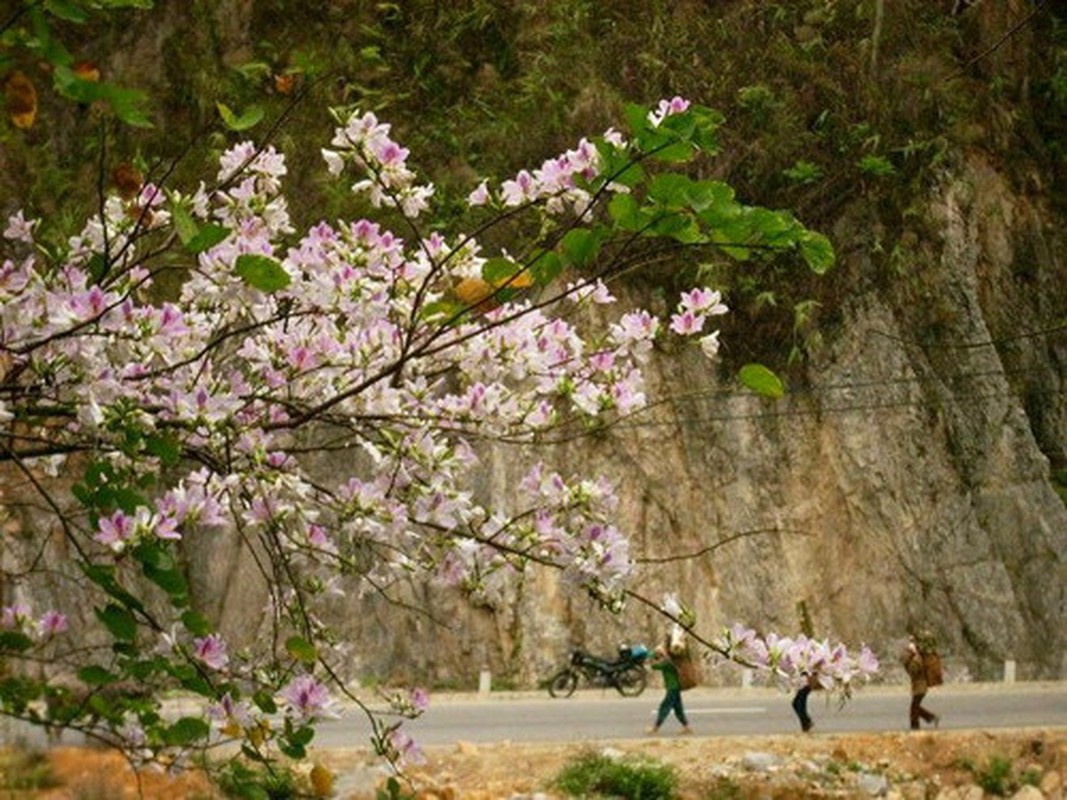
(716, 545)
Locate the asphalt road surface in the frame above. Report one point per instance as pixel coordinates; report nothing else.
(596, 715)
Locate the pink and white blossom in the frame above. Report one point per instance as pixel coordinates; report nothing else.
(52, 622)
(211, 650)
(667, 108)
(307, 698)
(20, 229)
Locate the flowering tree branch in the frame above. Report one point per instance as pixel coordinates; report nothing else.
(203, 412)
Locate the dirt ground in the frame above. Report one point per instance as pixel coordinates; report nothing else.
(934, 759)
(914, 765)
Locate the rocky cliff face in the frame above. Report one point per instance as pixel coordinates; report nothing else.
(906, 484)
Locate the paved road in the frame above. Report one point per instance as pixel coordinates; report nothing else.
(595, 715)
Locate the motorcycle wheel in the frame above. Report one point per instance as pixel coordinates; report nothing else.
(563, 684)
(631, 682)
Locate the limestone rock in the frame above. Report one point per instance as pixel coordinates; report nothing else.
(1028, 793)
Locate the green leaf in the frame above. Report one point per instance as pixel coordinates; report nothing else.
(170, 580)
(184, 224)
(618, 167)
(301, 649)
(143, 670)
(118, 621)
(125, 498)
(250, 790)
(71, 12)
(761, 380)
(680, 227)
(255, 70)
(185, 731)
(675, 153)
(16, 693)
(14, 642)
(636, 117)
(126, 103)
(95, 675)
(702, 196)
(262, 272)
(302, 735)
(628, 213)
(731, 239)
(723, 211)
(265, 702)
(44, 43)
(682, 126)
(104, 577)
(195, 682)
(153, 553)
(670, 189)
(240, 122)
(499, 269)
(103, 706)
(207, 237)
(580, 246)
(83, 494)
(441, 310)
(707, 122)
(546, 267)
(196, 623)
(163, 447)
(97, 267)
(817, 251)
(297, 752)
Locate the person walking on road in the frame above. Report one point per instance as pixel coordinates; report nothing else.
(924, 668)
(672, 699)
(800, 704)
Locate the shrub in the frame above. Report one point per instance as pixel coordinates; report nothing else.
(996, 777)
(26, 769)
(595, 774)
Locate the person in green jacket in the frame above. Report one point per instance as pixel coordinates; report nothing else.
(672, 700)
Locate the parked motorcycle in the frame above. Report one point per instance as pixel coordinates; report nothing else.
(626, 673)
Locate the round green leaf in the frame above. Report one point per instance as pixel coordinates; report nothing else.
(196, 623)
(185, 731)
(301, 649)
(816, 251)
(118, 621)
(261, 272)
(761, 380)
(14, 642)
(95, 675)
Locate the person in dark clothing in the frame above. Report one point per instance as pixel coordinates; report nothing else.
(672, 700)
(800, 704)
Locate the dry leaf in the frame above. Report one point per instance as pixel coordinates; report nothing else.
(284, 83)
(87, 71)
(21, 98)
(520, 280)
(321, 781)
(476, 293)
(127, 179)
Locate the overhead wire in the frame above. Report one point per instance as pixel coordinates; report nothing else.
(918, 386)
